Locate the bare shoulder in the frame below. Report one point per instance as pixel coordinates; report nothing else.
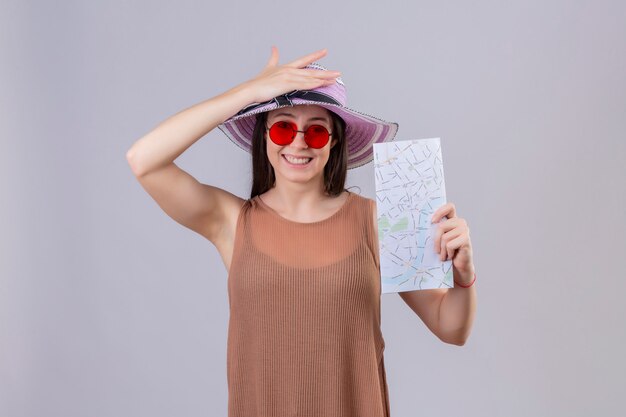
(222, 234)
(230, 206)
(208, 210)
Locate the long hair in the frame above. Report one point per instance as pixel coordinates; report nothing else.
(335, 170)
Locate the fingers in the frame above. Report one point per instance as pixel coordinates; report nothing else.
(307, 59)
(328, 77)
(309, 79)
(320, 73)
(439, 231)
(453, 245)
(451, 234)
(448, 210)
(311, 83)
(444, 235)
(444, 240)
(319, 77)
(277, 79)
(273, 61)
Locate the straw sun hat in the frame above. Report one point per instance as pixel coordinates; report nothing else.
(362, 130)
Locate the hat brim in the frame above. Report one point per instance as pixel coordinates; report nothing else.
(362, 130)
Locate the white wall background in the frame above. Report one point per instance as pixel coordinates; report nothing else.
(110, 308)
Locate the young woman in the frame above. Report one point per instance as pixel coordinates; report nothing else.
(301, 252)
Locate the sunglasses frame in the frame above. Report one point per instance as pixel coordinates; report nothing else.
(295, 132)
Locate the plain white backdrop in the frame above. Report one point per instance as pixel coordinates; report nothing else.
(109, 308)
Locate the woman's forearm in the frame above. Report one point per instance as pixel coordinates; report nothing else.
(163, 144)
(456, 313)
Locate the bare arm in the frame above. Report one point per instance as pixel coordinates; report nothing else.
(172, 137)
(447, 312)
(457, 311)
(203, 208)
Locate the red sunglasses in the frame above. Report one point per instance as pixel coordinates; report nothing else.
(283, 133)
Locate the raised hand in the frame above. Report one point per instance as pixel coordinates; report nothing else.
(276, 79)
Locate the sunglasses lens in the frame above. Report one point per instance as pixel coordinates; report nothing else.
(282, 133)
(316, 136)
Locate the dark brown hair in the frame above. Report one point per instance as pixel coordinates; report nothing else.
(335, 170)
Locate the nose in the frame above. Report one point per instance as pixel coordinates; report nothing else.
(298, 140)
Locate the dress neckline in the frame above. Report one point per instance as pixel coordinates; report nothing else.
(335, 214)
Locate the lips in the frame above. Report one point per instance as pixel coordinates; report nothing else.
(297, 160)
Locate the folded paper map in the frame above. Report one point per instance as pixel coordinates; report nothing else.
(409, 188)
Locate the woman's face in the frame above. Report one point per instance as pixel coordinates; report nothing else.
(288, 160)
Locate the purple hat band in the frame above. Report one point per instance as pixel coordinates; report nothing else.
(362, 130)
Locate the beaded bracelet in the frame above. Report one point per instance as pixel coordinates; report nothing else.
(467, 286)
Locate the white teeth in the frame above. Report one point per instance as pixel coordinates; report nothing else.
(300, 161)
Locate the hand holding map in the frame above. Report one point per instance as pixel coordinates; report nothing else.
(409, 188)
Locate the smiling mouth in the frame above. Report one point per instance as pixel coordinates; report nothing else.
(296, 161)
